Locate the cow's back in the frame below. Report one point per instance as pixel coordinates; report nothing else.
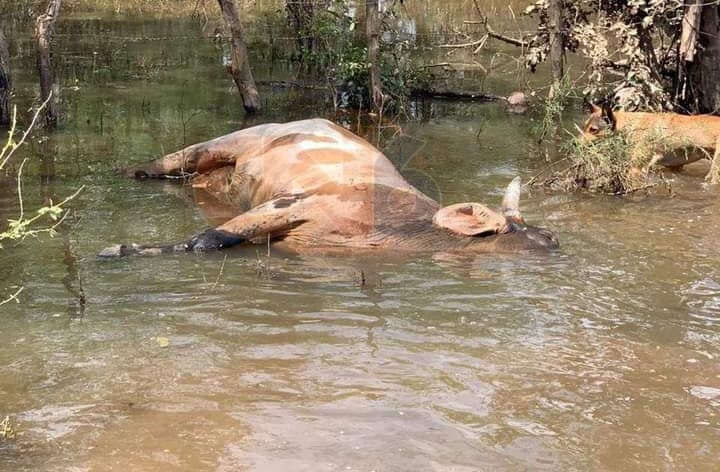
(305, 156)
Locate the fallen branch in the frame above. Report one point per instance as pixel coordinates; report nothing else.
(461, 45)
(456, 95)
(417, 93)
(455, 65)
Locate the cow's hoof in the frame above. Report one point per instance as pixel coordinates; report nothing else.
(213, 239)
(119, 250)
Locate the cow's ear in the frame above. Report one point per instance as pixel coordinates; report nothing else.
(590, 107)
(470, 219)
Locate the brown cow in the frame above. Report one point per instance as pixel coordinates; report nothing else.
(313, 186)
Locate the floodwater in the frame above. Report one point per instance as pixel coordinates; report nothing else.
(601, 356)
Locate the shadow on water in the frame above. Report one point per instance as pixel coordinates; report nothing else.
(602, 356)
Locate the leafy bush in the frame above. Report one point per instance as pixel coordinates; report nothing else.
(338, 51)
(632, 48)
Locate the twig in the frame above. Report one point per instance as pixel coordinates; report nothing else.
(220, 273)
(40, 215)
(455, 65)
(14, 296)
(461, 45)
(19, 189)
(633, 190)
(482, 44)
(14, 146)
(534, 179)
(501, 37)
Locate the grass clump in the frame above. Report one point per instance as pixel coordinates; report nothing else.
(612, 165)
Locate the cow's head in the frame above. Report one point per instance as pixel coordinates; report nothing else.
(600, 122)
(503, 231)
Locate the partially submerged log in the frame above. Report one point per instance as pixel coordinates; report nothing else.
(456, 95)
(460, 95)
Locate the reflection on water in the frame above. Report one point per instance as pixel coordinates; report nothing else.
(603, 356)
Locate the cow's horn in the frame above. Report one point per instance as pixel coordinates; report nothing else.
(511, 200)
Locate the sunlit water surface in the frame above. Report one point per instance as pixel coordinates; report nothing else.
(602, 356)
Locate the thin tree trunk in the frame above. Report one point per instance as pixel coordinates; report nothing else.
(557, 49)
(705, 69)
(372, 30)
(44, 30)
(301, 14)
(690, 30)
(5, 81)
(239, 64)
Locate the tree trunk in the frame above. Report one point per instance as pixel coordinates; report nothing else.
(44, 30)
(557, 45)
(690, 30)
(5, 82)
(240, 65)
(372, 30)
(704, 71)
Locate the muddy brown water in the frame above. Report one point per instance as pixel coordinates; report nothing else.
(601, 356)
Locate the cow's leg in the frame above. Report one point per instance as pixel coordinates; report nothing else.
(184, 163)
(714, 174)
(270, 219)
(201, 157)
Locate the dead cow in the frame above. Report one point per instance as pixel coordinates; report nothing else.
(312, 186)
